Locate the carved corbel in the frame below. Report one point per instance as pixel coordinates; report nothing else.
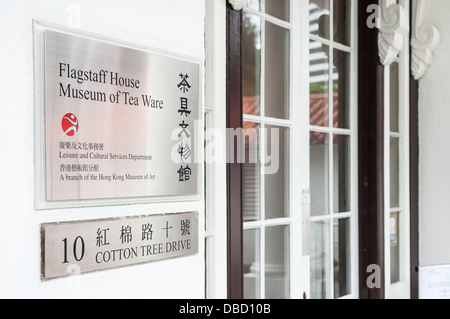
(239, 4)
(392, 32)
(426, 38)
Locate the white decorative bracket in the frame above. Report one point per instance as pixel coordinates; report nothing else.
(392, 31)
(239, 4)
(426, 38)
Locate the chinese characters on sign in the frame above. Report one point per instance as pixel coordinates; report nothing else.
(111, 116)
(184, 149)
(113, 243)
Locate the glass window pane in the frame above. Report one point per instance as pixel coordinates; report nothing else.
(251, 171)
(252, 275)
(319, 18)
(342, 251)
(278, 9)
(341, 89)
(276, 172)
(277, 72)
(319, 168)
(394, 97)
(342, 21)
(319, 83)
(251, 63)
(341, 177)
(394, 230)
(320, 260)
(255, 4)
(395, 172)
(277, 262)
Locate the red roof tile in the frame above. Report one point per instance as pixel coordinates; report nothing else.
(318, 113)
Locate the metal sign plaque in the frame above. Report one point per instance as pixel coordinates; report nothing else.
(102, 244)
(119, 122)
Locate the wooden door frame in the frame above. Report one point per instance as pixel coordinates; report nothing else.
(414, 177)
(234, 120)
(370, 155)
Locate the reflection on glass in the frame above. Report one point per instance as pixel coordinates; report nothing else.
(395, 172)
(252, 275)
(319, 83)
(278, 8)
(341, 177)
(251, 170)
(319, 18)
(394, 97)
(341, 262)
(342, 21)
(341, 89)
(255, 4)
(320, 256)
(276, 172)
(251, 63)
(394, 230)
(277, 72)
(319, 170)
(277, 262)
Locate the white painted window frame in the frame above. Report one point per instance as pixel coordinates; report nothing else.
(215, 172)
(401, 289)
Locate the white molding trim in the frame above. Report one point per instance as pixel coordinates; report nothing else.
(392, 32)
(426, 38)
(239, 4)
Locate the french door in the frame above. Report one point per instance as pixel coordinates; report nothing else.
(299, 175)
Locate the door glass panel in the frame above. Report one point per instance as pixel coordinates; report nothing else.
(276, 71)
(319, 18)
(251, 64)
(255, 4)
(342, 257)
(341, 89)
(277, 170)
(251, 171)
(342, 19)
(320, 260)
(394, 97)
(331, 54)
(319, 84)
(395, 172)
(341, 175)
(319, 176)
(394, 230)
(277, 262)
(252, 275)
(278, 8)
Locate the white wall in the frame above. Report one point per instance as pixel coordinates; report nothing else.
(434, 167)
(174, 25)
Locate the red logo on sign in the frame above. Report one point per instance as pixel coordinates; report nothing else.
(69, 124)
